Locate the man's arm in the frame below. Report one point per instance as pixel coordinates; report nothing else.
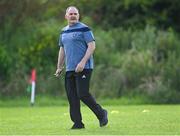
(89, 52)
(60, 62)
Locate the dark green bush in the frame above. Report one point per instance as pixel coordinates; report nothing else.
(5, 63)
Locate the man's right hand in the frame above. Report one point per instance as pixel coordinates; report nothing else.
(58, 72)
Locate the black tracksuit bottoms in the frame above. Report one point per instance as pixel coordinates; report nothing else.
(77, 88)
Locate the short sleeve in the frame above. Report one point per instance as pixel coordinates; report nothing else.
(88, 36)
(60, 41)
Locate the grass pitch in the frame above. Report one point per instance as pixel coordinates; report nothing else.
(123, 120)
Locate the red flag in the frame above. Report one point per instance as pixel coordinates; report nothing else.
(31, 80)
(33, 75)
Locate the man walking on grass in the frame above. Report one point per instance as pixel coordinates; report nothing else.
(77, 45)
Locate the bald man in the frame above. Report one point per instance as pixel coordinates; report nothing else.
(77, 45)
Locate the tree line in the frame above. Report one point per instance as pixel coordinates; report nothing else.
(137, 46)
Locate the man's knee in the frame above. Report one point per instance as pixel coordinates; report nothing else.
(83, 96)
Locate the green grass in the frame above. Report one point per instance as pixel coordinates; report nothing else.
(59, 101)
(131, 119)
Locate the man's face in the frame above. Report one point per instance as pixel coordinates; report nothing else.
(72, 16)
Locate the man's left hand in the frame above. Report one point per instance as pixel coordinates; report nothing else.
(80, 67)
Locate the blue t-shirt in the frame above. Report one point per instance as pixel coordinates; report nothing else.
(74, 40)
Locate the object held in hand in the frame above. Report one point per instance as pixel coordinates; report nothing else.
(58, 72)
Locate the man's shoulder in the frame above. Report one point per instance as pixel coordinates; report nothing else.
(65, 28)
(83, 25)
(78, 27)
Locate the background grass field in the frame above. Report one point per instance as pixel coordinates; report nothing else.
(130, 119)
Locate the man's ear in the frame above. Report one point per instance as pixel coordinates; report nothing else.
(65, 16)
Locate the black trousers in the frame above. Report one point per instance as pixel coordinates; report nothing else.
(77, 88)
